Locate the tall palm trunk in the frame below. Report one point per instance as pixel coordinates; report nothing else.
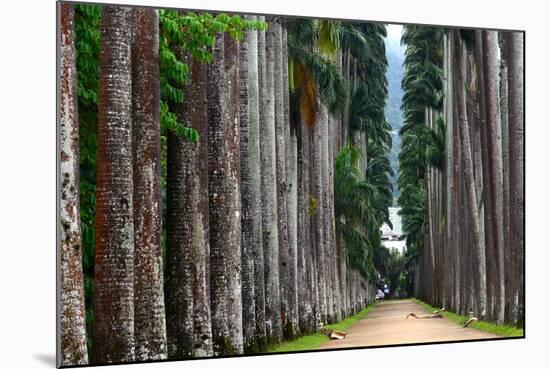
(150, 319)
(514, 59)
(328, 213)
(334, 259)
(291, 194)
(188, 305)
(490, 47)
(198, 209)
(113, 329)
(305, 261)
(449, 123)
(179, 291)
(280, 144)
(257, 86)
(318, 213)
(218, 201)
(232, 159)
(487, 220)
(508, 282)
(459, 89)
(249, 310)
(233, 192)
(269, 196)
(72, 329)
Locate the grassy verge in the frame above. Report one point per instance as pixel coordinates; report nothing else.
(315, 340)
(500, 330)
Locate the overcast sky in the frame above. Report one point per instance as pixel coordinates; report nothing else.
(394, 31)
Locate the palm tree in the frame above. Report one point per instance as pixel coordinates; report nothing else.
(73, 319)
(232, 183)
(187, 292)
(247, 200)
(291, 195)
(479, 256)
(114, 246)
(222, 183)
(269, 192)
(490, 48)
(281, 163)
(150, 320)
(514, 42)
(257, 117)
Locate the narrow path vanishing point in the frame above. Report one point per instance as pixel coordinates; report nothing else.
(386, 324)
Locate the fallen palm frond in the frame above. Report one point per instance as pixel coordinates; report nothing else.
(472, 319)
(337, 335)
(428, 316)
(333, 334)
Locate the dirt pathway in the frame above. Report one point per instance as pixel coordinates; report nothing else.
(386, 325)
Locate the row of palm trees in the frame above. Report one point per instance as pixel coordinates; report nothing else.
(461, 169)
(235, 229)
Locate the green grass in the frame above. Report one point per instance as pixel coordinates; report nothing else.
(315, 340)
(500, 330)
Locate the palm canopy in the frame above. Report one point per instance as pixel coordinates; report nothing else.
(421, 146)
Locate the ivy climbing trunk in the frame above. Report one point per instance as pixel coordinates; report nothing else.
(72, 323)
(113, 329)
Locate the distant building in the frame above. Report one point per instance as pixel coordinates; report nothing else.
(394, 238)
(387, 232)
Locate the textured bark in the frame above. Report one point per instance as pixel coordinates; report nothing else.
(332, 224)
(472, 208)
(197, 214)
(291, 194)
(247, 243)
(280, 145)
(72, 321)
(224, 199)
(218, 201)
(508, 264)
(487, 219)
(449, 296)
(232, 159)
(113, 329)
(150, 319)
(257, 77)
(179, 292)
(179, 288)
(188, 305)
(515, 58)
(328, 211)
(490, 47)
(304, 260)
(317, 212)
(269, 196)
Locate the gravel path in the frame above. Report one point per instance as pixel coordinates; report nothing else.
(386, 325)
